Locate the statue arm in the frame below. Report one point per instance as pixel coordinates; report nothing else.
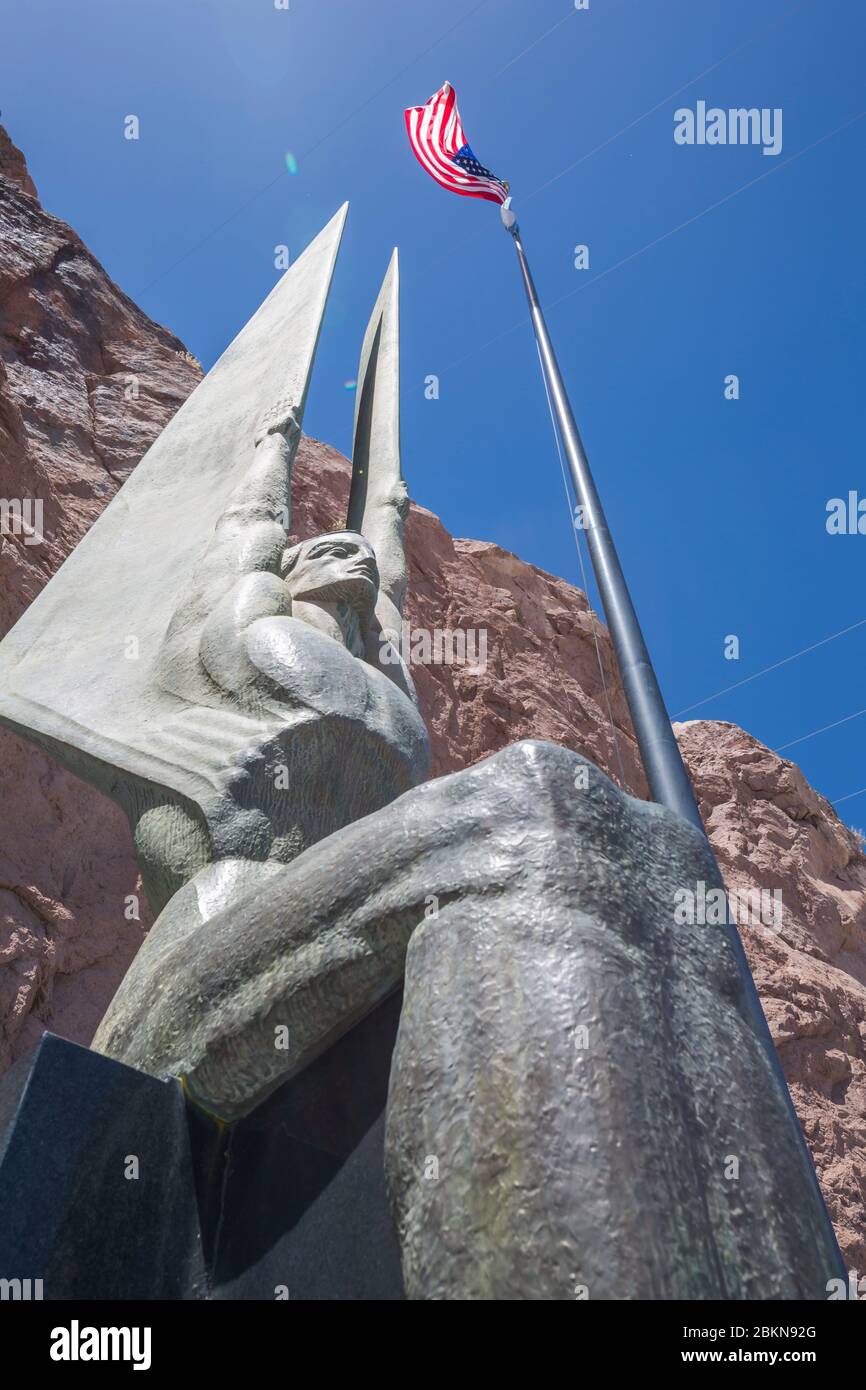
(252, 532)
(247, 543)
(382, 523)
(224, 648)
(246, 549)
(386, 506)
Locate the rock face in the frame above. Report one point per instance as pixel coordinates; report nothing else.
(13, 165)
(87, 381)
(771, 830)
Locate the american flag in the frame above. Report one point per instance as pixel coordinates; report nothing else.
(436, 136)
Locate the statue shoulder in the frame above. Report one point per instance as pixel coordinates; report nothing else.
(223, 642)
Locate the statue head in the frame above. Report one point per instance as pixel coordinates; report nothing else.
(337, 567)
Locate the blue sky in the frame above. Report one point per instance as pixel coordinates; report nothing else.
(704, 261)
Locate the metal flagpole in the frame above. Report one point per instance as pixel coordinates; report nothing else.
(668, 780)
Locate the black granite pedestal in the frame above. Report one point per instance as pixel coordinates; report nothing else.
(293, 1197)
(97, 1197)
(111, 1187)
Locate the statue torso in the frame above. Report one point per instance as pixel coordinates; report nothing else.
(332, 740)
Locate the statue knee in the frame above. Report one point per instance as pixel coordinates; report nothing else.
(171, 845)
(533, 768)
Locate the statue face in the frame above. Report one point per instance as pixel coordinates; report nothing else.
(340, 566)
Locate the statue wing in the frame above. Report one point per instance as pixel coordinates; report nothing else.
(378, 501)
(252, 530)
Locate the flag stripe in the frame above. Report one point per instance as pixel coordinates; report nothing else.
(438, 141)
(440, 129)
(441, 112)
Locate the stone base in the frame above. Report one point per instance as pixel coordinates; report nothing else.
(293, 1196)
(75, 1128)
(289, 1202)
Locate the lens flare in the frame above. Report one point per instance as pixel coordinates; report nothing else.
(291, 162)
